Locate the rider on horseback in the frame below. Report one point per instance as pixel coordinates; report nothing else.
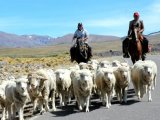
(80, 34)
(138, 25)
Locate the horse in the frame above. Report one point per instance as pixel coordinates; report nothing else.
(135, 46)
(80, 52)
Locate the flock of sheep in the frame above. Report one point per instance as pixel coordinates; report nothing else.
(107, 79)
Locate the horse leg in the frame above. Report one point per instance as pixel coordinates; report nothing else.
(139, 50)
(133, 59)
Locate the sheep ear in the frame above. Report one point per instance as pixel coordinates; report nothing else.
(73, 74)
(29, 76)
(17, 82)
(130, 68)
(43, 79)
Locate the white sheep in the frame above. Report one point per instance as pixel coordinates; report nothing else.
(116, 63)
(3, 100)
(83, 65)
(73, 68)
(154, 66)
(104, 64)
(143, 75)
(42, 85)
(93, 64)
(105, 81)
(63, 81)
(122, 74)
(82, 86)
(16, 96)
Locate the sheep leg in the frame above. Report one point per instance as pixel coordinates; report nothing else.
(120, 95)
(103, 98)
(8, 106)
(79, 103)
(87, 103)
(21, 113)
(107, 100)
(19, 107)
(14, 110)
(3, 113)
(63, 99)
(154, 82)
(53, 101)
(136, 88)
(46, 103)
(41, 109)
(155, 77)
(125, 95)
(142, 91)
(34, 105)
(117, 93)
(60, 99)
(69, 96)
(149, 94)
(118, 98)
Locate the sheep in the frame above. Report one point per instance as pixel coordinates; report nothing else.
(3, 100)
(116, 63)
(122, 75)
(63, 81)
(73, 68)
(82, 86)
(16, 96)
(104, 64)
(42, 86)
(93, 64)
(143, 75)
(83, 65)
(153, 64)
(105, 81)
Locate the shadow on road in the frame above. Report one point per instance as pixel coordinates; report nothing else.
(95, 104)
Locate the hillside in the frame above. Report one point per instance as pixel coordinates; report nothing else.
(21, 41)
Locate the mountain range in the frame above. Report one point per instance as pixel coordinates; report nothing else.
(19, 41)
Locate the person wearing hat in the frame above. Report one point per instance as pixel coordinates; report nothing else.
(82, 34)
(135, 23)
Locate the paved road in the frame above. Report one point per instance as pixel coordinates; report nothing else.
(133, 110)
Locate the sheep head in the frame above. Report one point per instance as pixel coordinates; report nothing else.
(21, 86)
(85, 80)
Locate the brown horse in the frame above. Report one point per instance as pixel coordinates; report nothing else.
(135, 46)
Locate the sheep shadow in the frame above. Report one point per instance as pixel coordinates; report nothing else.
(73, 108)
(65, 110)
(130, 98)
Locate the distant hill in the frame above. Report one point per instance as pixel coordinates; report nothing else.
(13, 40)
(20, 41)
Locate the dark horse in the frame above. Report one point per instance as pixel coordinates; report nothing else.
(135, 46)
(80, 52)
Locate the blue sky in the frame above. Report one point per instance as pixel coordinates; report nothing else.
(59, 17)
